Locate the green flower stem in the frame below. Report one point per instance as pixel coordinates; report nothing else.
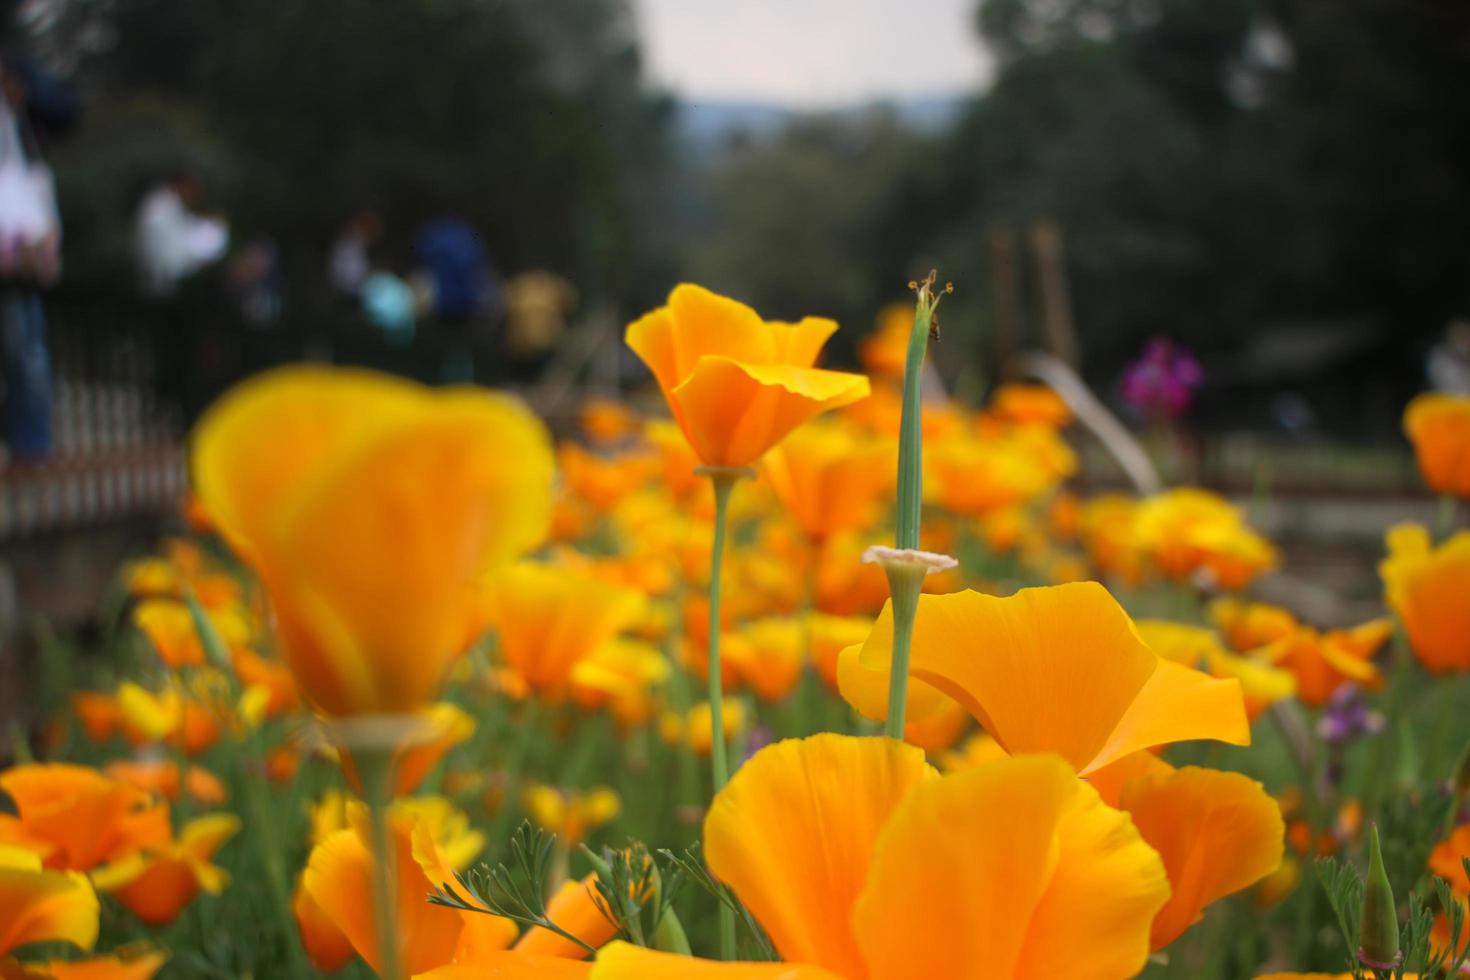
(905, 583)
(1446, 522)
(722, 478)
(375, 766)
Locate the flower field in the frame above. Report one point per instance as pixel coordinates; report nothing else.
(788, 674)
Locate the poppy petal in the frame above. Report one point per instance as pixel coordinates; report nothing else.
(1217, 832)
(1008, 870)
(793, 832)
(624, 961)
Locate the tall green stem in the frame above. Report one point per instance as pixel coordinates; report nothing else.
(376, 768)
(723, 481)
(906, 579)
(1446, 522)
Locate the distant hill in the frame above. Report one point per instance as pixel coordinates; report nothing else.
(704, 127)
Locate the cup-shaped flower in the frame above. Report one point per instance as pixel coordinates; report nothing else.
(831, 479)
(862, 864)
(549, 618)
(369, 506)
(735, 383)
(38, 905)
(1056, 669)
(338, 885)
(1426, 587)
(1439, 427)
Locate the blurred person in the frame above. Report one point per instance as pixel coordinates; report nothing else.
(450, 251)
(536, 308)
(389, 303)
(350, 263)
(172, 242)
(30, 260)
(175, 248)
(1448, 364)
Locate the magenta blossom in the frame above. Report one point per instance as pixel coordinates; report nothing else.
(1162, 381)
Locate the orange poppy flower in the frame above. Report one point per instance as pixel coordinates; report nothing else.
(1426, 588)
(369, 505)
(1439, 427)
(830, 635)
(1261, 682)
(570, 814)
(38, 905)
(77, 819)
(608, 420)
(1188, 530)
(275, 677)
(511, 964)
(975, 478)
(134, 964)
(339, 880)
(1034, 404)
(574, 908)
(1446, 860)
(1324, 661)
(624, 675)
(602, 481)
(1053, 669)
(770, 657)
(695, 728)
(885, 351)
(327, 947)
(549, 617)
(862, 864)
(1217, 832)
(444, 726)
(737, 384)
(162, 777)
(98, 713)
(1251, 625)
(829, 479)
(156, 885)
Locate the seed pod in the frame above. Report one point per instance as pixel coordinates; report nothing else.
(1378, 929)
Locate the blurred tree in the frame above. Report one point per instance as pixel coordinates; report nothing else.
(527, 118)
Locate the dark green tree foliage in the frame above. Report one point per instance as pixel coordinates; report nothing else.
(527, 118)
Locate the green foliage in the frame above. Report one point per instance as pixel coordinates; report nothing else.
(692, 867)
(517, 892)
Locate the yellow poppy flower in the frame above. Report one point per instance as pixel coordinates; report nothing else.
(570, 814)
(156, 885)
(885, 351)
(737, 384)
(1054, 669)
(162, 777)
(1439, 427)
(38, 905)
(549, 617)
(1034, 404)
(830, 479)
(369, 505)
(1323, 661)
(77, 819)
(862, 864)
(133, 964)
(623, 675)
(696, 726)
(1426, 588)
(1217, 833)
(338, 883)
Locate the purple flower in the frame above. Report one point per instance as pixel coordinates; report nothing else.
(1162, 381)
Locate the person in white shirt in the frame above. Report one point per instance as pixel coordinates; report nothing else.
(171, 241)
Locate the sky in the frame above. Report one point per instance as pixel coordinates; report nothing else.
(811, 54)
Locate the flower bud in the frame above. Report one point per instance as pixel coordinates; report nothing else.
(1378, 929)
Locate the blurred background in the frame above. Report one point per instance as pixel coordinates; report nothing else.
(1264, 202)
